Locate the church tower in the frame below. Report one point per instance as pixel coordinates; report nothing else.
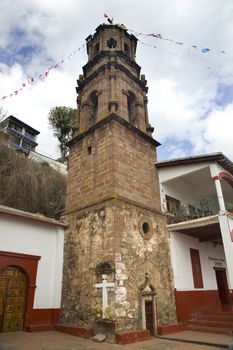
(117, 271)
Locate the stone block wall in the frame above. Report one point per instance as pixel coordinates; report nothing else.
(112, 160)
(111, 232)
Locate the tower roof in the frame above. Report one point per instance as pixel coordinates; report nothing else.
(103, 26)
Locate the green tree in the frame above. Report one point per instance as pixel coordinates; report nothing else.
(61, 121)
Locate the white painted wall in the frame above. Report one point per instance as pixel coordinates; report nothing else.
(37, 238)
(170, 173)
(40, 158)
(180, 254)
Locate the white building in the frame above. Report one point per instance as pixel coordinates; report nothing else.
(197, 195)
(31, 260)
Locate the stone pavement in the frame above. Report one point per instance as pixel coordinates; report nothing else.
(53, 340)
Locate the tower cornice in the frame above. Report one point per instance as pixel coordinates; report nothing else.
(109, 119)
(117, 53)
(82, 83)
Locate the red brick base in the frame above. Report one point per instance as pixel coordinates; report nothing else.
(132, 336)
(39, 328)
(73, 330)
(171, 328)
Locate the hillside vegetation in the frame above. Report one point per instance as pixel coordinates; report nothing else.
(30, 186)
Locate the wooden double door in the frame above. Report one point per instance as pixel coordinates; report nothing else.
(13, 294)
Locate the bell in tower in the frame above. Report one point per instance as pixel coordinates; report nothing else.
(117, 269)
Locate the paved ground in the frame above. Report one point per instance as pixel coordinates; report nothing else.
(59, 341)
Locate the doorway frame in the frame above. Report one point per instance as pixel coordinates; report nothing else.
(147, 292)
(29, 264)
(227, 290)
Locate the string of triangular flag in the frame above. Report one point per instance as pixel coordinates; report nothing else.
(159, 36)
(44, 74)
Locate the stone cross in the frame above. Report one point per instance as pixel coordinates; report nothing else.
(104, 285)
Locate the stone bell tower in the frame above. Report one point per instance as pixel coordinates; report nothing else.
(117, 272)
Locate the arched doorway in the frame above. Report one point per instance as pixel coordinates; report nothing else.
(13, 295)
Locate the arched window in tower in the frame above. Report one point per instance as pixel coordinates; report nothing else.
(94, 107)
(131, 103)
(111, 43)
(126, 48)
(96, 48)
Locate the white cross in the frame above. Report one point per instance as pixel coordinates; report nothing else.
(104, 285)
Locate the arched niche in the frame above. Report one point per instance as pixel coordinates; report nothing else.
(131, 104)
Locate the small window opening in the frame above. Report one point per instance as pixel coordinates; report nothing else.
(126, 48)
(97, 48)
(131, 100)
(145, 227)
(111, 43)
(93, 99)
(89, 149)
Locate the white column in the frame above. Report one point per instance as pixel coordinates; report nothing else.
(219, 194)
(58, 264)
(227, 245)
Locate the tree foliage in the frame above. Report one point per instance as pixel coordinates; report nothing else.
(28, 185)
(61, 121)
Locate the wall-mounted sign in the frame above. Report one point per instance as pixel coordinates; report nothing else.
(216, 259)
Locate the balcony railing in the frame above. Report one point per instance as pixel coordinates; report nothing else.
(194, 211)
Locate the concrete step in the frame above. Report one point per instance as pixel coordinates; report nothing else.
(220, 318)
(209, 323)
(215, 330)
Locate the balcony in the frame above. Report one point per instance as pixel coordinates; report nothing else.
(195, 211)
(20, 135)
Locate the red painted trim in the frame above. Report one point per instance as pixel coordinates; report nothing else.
(20, 255)
(224, 176)
(132, 336)
(171, 328)
(28, 263)
(77, 331)
(43, 320)
(187, 302)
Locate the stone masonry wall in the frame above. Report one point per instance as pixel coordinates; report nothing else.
(111, 233)
(121, 163)
(136, 256)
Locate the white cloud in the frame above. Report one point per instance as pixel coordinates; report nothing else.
(183, 91)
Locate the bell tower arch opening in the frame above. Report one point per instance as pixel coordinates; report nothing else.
(131, 104)
(93, 98)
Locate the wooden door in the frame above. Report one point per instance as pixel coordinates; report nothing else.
(222, 284)
(13, 291)
(149, 316)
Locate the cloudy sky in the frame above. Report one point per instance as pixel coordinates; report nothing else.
(190, 92)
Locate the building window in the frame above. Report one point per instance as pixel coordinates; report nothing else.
(29, 134)
(15, 140)
(111, 43)
(26, 146)
(196, 268)
(173, 205)
(97, 48)
(126, 48)
(16, 127)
